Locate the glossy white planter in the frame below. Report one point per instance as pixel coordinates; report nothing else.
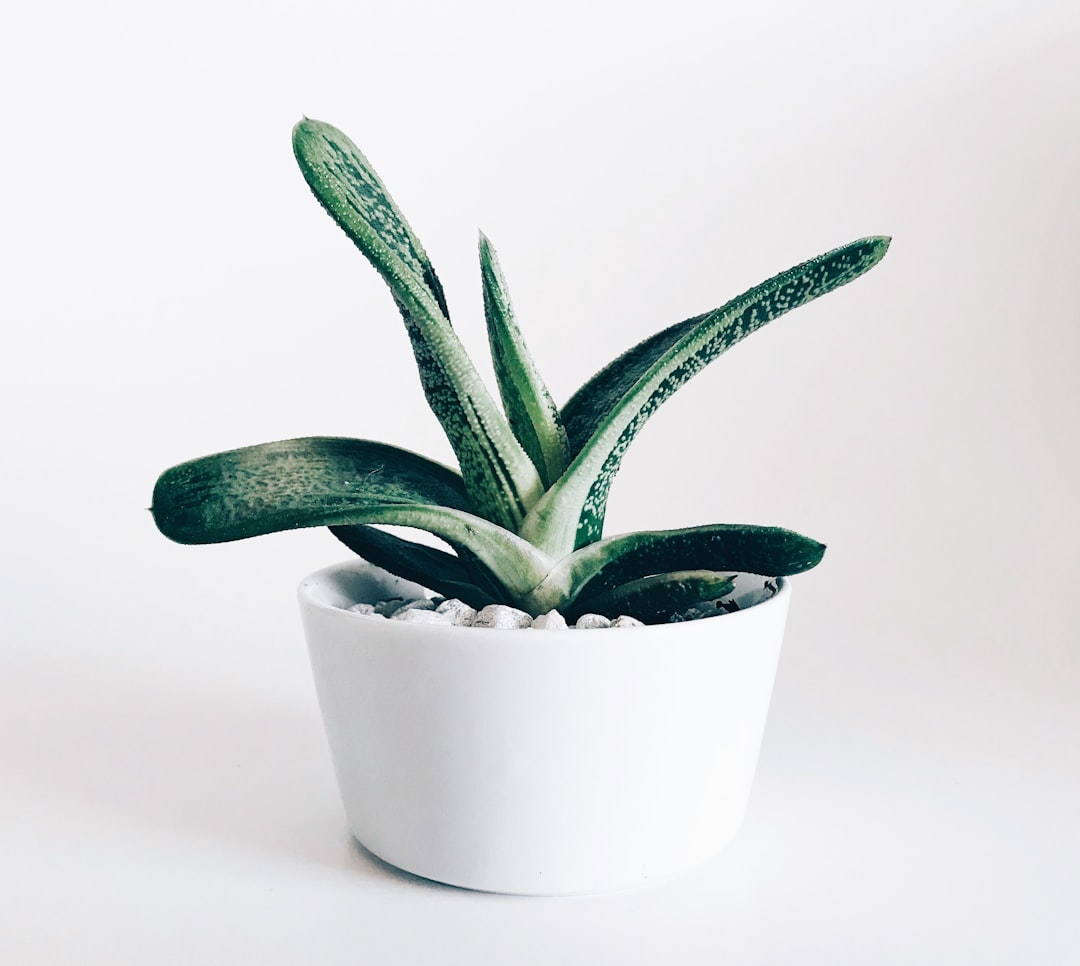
(539, 762)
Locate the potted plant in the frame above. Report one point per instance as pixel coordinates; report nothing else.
(508, 759)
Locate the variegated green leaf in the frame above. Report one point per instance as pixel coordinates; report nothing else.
(322, 481)
(654, 599)
(532, 412)
(499, 475)
(616, 403)
(278, 486)
(601, 566)
(595, 401)
(432, 568)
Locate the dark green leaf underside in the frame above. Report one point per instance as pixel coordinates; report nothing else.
(768, 551)
(432, 568)
(656, 598)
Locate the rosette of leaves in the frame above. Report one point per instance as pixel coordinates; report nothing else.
(523, 518)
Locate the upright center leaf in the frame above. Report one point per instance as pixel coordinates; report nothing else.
(532, 412)
(498, 473)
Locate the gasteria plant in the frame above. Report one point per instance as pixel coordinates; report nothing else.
(524, 517)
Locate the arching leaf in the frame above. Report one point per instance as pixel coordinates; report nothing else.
(435, 569)
(617, 402)
(499, 475)
(730, 547)
(654, 599)
(329, 481)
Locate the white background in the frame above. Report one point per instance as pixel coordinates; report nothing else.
(170, 288)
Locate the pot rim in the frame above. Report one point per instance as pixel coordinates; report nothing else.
(312, 586)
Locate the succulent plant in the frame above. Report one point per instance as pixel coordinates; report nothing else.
(523, 520)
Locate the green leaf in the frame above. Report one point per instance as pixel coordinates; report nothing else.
(595, 401)
(294, 483)
(609, 411)
(432, 568)
(482, 576)
(498, 473)
(532, 412)
(328, 481)
(601, 566)
(654, 599)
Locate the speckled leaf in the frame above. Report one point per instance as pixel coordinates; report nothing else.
(499, 475)
(532, 412)
(768, 551)
(654, 599)
(597, 399)
(609, 411)
(328, 481)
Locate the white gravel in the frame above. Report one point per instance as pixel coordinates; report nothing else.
(499, 615)
(460, 613)
(423, 604)
(363, 608)
(457, 613)
(551, 621)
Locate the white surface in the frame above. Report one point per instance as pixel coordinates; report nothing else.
(171, 289)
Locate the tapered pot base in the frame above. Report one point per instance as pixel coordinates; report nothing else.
(539, 762)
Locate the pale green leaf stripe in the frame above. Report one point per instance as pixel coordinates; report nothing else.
(532, 412)
(571, 513)
(655, 598)
(497, 471)
(328, 481)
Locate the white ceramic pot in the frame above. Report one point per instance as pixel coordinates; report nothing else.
(539, 762)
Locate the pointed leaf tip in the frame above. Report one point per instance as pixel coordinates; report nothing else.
(532, 413)
(498, 472)
(605, 415)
